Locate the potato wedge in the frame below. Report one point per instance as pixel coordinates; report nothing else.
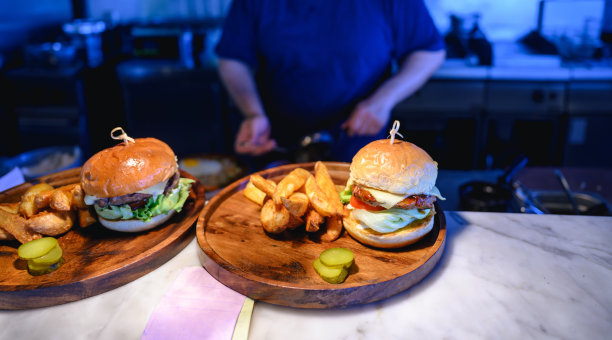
(51, 223)
(27, 208)
(318, 199)
(327, 185)
(294, 222)
(254, 194)
(275, 219)
(16, 226)
(85, 217)
(290, 184)
(334, 229)
(13, 208)
(314, 220)
(60, 200)
(265, 185)
(78, 197)
(297, 204)
(5, 235)
(42, 199)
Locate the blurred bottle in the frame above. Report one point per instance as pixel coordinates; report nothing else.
(455, 39)
(479, 45)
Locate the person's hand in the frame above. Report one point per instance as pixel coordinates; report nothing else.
(368, 118)
(254, 136)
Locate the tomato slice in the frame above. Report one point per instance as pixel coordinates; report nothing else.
(359, 204)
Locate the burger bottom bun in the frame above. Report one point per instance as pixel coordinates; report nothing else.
(135, 225)
(399, 238)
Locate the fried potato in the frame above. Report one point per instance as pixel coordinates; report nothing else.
(78, 197)
(334, 229)
(265, 185)
(275, 219)
(27, 208)
(16, 226)
(71, 194)
(60, 200)
(42, 199)
(294, 222)
(51, 223)
(254, 194)
(5, 235)
(297, 204)
(327, 185)
(13, 208)
(318, 199)
(290, 184)
(313, 221)
(85, 217)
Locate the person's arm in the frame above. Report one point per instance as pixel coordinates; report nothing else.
(254, 134)
(372, 114)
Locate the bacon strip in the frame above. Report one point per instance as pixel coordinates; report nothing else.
(410, 202)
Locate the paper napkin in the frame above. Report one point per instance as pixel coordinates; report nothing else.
(11, 179)
(195, 307)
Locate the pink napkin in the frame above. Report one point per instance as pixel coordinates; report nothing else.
(196, 307)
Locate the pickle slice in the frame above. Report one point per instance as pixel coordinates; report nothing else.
(36, 248)
(37, 269)
(337, 258)
(49, 258)
(331, 275)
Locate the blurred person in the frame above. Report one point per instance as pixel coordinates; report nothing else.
(298, 67)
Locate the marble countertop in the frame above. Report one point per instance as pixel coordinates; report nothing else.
(502, 276)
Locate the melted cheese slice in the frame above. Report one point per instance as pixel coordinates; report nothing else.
(155, 190)
(388, 200)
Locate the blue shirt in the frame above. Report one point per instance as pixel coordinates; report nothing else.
(314, 60)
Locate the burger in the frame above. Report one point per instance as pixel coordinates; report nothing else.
(134, 186)
(392, 194)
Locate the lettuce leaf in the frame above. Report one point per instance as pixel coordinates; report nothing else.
(345, 196)
(389, 220)
(157, 205)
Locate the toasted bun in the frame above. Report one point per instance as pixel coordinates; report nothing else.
(400, 238)
(135, 225)
(400, 168)
(125, 169)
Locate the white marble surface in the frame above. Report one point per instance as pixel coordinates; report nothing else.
(502, 276)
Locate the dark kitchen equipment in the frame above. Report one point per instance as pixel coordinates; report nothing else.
(567, 190)
(535, 41)
(50, 54)
(527, 201)
(486, 196)
(316, 146)
(89, 35)
(557, 202)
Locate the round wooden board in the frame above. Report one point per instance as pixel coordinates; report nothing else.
(236, 251)
(96, 259)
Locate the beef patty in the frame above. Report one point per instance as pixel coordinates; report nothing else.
(410, 202)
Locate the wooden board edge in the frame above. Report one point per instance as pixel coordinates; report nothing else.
(57, 295)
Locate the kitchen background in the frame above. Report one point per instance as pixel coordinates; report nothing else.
(529, 77)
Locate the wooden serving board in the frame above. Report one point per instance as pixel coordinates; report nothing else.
(279, 269)
(96, 259)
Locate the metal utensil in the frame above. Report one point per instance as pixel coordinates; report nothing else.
(532, 203)
(567, 190)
